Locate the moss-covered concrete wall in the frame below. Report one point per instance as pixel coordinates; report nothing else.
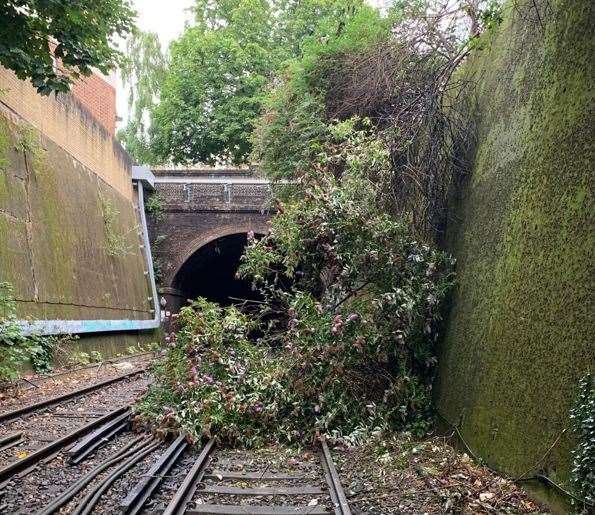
(521, 328)
(69, 241)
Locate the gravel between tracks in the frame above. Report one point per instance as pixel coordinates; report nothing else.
(24, 394)
(269, 460)
(42, 427)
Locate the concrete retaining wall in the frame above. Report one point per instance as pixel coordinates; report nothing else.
(69, 234)
(520, 331)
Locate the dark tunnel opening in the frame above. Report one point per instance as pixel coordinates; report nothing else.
(211, 272)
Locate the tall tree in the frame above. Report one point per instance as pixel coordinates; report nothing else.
(81, 30)
(219, 71)
(211, 93)
(143, 71)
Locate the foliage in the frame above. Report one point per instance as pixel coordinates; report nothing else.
(294, 124)
(157, 269)
(214, 380)
(116, 243)
(209, 96)
(82, 31)
(16, 349)
(29, 143)
(219, 69)
(143, 71)
(154, 206)
(4, 145)
(343, 342)
(583, 422)
(348, 324)
(368, 72)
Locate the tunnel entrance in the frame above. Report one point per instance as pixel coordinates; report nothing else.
(211, 272)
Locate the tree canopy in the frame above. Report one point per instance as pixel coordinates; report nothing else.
(143, 70)
(81, 30)
(219, 71)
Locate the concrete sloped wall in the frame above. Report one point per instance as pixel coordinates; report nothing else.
(69, 234)
(521, 327)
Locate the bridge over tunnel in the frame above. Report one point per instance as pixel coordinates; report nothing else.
(199, 236)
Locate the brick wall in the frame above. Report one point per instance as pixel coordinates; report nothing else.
(70, 125)
(99, 97)
(215, 196)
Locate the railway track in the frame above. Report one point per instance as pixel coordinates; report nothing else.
(39, 431)
(141, 474)
(75, 453)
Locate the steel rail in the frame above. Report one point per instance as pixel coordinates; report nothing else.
(333, 480)
(10, 441)
(89, 443)
(139, 494)
(177, 505)
(9, 415)
(4, 440)
(10, 470)
(91, 499)
(97, 365)
(127, 450)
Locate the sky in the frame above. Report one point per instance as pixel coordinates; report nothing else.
(167, 19)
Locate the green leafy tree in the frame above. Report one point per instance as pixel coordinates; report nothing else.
(143, 71)
(81, 30)
(211, 94)
(221, 67)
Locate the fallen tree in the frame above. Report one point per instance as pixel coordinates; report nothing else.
(343, 342)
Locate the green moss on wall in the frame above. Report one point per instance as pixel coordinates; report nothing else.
(4, 145)
(520, 330)
(53, 239)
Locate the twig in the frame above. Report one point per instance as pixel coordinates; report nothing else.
(30, 382)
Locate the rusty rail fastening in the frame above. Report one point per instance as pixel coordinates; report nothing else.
(9, 415)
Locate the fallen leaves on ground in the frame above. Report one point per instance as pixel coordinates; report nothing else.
(401, 475)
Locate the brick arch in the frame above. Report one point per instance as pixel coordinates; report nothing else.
(258, 227)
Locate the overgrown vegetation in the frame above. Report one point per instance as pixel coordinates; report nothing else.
(18, 349)
(219, 68)
(116, 242)
(583, 423)
(29, 143)
(343, 342)
(4, 147)
(349, 321)
(154, 206)
(209, 89)
(351, 291)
